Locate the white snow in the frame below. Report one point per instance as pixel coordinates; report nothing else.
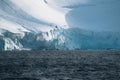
(11, 26)
(40, 10)
(10, 45)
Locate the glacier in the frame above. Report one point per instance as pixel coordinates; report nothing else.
(59, 25)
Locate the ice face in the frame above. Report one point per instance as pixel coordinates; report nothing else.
(85, 40)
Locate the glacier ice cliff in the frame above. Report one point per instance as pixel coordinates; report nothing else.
(59, 38)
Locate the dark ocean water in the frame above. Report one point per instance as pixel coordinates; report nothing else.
(60, 65)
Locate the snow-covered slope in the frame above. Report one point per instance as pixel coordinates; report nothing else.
(104, 17)
(59, 24)
(11, 26)
(96, 15)
(40, 10)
